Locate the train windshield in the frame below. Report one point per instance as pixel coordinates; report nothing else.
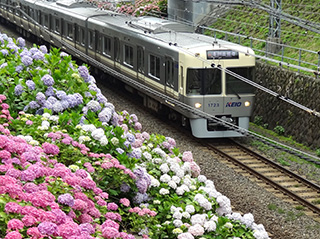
(204, 81)
(237, 86)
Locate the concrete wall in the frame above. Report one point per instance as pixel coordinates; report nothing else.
(305, 90)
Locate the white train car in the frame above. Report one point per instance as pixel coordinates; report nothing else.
(166, 56)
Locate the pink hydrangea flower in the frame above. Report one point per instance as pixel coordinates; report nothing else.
(125, 202)
(15, 224)
(13, 235)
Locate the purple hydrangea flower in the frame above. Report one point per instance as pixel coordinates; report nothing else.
(79, 98)
(71, 100)
(86, 227)
(64, 104)
(18, 90)
(38, 56)
(21, 42)
(47, 80)
(94, 106)
(41, 98)
(50, 91)
(93, 87)
(47, 105)
(136, 153)
(130, 137)
(101, 98)
(84, 73)
(43, 49)
(31, 85)
(61, 94)
(66, 199)
(33, 50)
(25, 52)
(48, 228)
(13, 47)
(19, 68)
(33, 105)
(52, 99)
(4, 52)
(63, 54)
(57, 106)
(3, 65)
(125, 188)
(105, 115)
(120, 150)
(26, 60)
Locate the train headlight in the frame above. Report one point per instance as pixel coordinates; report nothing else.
(247, 103)
(197, 105)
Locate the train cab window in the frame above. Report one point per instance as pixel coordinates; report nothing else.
(128, 55)
(154, 66)
(117, 49)
(106, 46)
(204, 81)
(140, 59)
(26, 10)
(82, 36)
(235, 85)
(57, 25)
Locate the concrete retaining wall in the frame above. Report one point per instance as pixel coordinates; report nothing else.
(305, 90)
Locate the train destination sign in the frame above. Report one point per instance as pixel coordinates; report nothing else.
(222, 54)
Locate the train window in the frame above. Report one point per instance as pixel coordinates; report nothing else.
(57, 25)
(106, 46)
(235, 85)
(154, 66)
(128, 55)
(169, 72)
(140, 59)
(204, 81)
(117, 49)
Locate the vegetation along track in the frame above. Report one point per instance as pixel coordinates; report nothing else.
(285, 184)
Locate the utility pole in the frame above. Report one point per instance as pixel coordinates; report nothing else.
(275, 21)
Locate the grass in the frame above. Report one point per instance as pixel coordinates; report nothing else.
(255, 23)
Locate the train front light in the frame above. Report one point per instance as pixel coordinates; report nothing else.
(247, 103)
(197, 105)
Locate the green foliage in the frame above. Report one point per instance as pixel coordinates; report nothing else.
(279, 130)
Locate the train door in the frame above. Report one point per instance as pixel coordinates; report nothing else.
(169, 76)
(141, 63)
(117, 53)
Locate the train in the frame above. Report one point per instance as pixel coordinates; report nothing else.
(167, 56)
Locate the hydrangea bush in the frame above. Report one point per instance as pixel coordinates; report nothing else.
(72, 167)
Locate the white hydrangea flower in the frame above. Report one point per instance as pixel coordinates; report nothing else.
(34, 142)
(198, 219)
(234, 216)
(186, 215)
(187, 181)
(156, 160)
(214, 218)
(247, 219)
(172, 184)
(165, 178)
(164, 191)
(150, 145)
(28, 138)
(45, 124)
(54, 118)
(154, 182)
(73, 167)
(160, 152)
(180, 173)
(173, 209)
(207, 206)
(97, 134)
(176, 179)
(177, 215)
(196, 230)
(190, 209)
(164, 168)
(115, 141)
(180, 191)
(186, 167)
(177, 231)
(202, 178)
(103, 141)
(177, 223)
(78, 126)
(89, 127)
(157, 202)
(210, 226)
(46, 115)
(228, 225)
(175, 167)
(147, 155)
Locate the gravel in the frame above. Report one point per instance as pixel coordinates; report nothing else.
(280, 219)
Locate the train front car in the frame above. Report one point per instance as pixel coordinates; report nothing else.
(212, 87)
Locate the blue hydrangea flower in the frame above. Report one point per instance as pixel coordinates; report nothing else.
(47, 80)
(63, 54)
(125, 188)
(52, 99)
(47, 105)
(93, 87)
(57, 107)
(13, 47)
(33, 50)
(25, 52)
(79, 98)
(26, 60)
(64, 104)
(31, 85)
(130, 137)
(19, 68)
(101, 98)
(105, 115)
(18, 90)
(120, 150)
(71, 100)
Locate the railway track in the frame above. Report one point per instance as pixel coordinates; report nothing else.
(283, 183)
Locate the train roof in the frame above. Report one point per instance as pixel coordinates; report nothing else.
(151, 28)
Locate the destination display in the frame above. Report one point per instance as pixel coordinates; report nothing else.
(222, 54)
